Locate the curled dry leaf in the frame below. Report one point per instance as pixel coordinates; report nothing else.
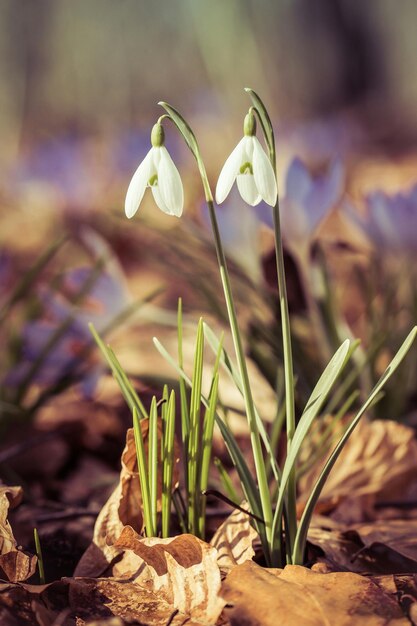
(15, 565)
(123, 508)
(296, 595)
(378, 464)
(182, 570)
(382, 547)
(234, 541)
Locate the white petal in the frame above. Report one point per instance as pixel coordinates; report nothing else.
(170, 184)
(263, 174)
(138, 184)
(230, 170)
(156, 192)
(248, 190)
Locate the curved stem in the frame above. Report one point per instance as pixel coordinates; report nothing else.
(260, 467)
(286, 331)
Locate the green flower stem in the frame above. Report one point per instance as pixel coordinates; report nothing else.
(268, 132)
(191, 141)
(247, 392)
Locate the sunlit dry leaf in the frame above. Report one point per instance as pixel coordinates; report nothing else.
(378, 463)
(297, 595)
(183, 571)
(15, 565)
(234, 541)
(123, 508)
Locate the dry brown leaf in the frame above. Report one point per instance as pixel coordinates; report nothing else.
(15, 565)
(296, 595)
(183, 571)
(378, 463)
(234, 541)
(109, 601)
(34, 605)
(379, 547)
(123, 508)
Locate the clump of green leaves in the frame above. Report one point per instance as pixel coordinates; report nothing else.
(196, 425)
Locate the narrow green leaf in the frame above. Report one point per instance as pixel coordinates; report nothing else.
(234, 375)
(206, 449)
(38, 549)
(143, 476)
(248, 484)
(153, 460)
(314, 404)
(129, 393)
(226, 481)
(168, 464)
(194, 438)
(300, 541)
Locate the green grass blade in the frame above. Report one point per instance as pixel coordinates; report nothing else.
(300, 541)
(314, 404)
(185, 418)
(38, 548)
(194, 438)
(168, 464)
(129, 393)
(237, 380)
(248, 484)
(143, 476)
(206, 450)
(153, 460)
(226, 481)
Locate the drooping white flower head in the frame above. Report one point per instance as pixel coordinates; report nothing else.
(250, 167)
(158, 172)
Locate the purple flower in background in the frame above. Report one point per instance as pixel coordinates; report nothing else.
(391, 221)
(308, 200)
(107, 298)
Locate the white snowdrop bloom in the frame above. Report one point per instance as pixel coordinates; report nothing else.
(251, 168)
(158, 172)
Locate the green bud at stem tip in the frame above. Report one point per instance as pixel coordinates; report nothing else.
(249, 125)
(157, 136)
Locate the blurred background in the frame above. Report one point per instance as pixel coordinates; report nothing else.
(80, 81)
(93, 70)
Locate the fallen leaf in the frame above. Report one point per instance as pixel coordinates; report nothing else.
(297, 595)
(183, 571)
(123, 508)
(382, 546)
(233, 541)
(15, 564)
(34, 605)
(378, 464)
(110, 602)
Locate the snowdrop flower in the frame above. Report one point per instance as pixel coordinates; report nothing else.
(158, 172)
(250, 167)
